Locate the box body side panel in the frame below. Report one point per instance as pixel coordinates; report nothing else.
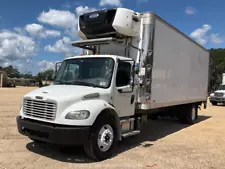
(180, 68)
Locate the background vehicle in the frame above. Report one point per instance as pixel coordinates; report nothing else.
(134, 65)
(219, 95)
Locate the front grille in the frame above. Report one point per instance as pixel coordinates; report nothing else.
(218, 94)
(39, 109)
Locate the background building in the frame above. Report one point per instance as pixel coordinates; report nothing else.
(3, 78)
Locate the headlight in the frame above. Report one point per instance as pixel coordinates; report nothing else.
(78, 115)
(212, 94)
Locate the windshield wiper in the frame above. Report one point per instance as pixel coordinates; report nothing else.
(83, 83)
(61, 82)
(75, 83)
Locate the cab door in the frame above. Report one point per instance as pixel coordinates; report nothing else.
(124, 97)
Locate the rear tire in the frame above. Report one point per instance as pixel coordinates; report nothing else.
(103, 138)
(188, 114)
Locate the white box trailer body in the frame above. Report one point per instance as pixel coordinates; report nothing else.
(180, 67)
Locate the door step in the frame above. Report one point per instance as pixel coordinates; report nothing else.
(135, 132)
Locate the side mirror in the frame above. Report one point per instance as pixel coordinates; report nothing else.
(125, 89)
(120, 90)
(57, 67)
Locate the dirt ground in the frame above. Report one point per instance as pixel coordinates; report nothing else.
(163, 143)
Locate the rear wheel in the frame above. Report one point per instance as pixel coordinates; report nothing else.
(188, 114)
(102, 139)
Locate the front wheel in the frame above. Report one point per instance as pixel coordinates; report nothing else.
(102, 138)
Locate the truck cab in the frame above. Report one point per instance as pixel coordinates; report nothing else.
(92, 101)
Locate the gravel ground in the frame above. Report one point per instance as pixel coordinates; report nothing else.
(163, 143)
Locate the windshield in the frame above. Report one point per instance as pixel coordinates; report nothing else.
(94, 72)
(222, 87)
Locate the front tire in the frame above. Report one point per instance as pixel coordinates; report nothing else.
(103, 138)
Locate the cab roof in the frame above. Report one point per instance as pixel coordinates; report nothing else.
(99, 56)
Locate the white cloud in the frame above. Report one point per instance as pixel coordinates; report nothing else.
(18, 65)
(45, 65)
(6, 64)
(52, 33)
(20, 31)
(60, 18)
(216, 38)
(190, 11)
(34, 29)
(72, 32)
(110, 2)
(37, 30)
(29, 61)
(200, 34)
(61, 46)
(14, 46)
(81, 10)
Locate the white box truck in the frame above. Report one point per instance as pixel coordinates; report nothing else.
(134, 66)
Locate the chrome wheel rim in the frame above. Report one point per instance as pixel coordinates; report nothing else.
(105, 138)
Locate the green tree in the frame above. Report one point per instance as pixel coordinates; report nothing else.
(216, 68)
(49, 74)
(27, 75)
(12, 72)
(46, 75)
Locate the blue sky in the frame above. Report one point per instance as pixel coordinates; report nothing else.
(36, 34)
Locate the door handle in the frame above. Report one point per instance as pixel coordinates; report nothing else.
(120, 90)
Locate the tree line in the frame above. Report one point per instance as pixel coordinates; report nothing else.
(216, 69)
(13, 72)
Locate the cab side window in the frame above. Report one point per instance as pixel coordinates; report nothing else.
(123, 76)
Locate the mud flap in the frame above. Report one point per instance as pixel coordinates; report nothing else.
(205, 104)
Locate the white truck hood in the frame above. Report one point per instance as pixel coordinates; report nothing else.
(64, 93)
(64, 96)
